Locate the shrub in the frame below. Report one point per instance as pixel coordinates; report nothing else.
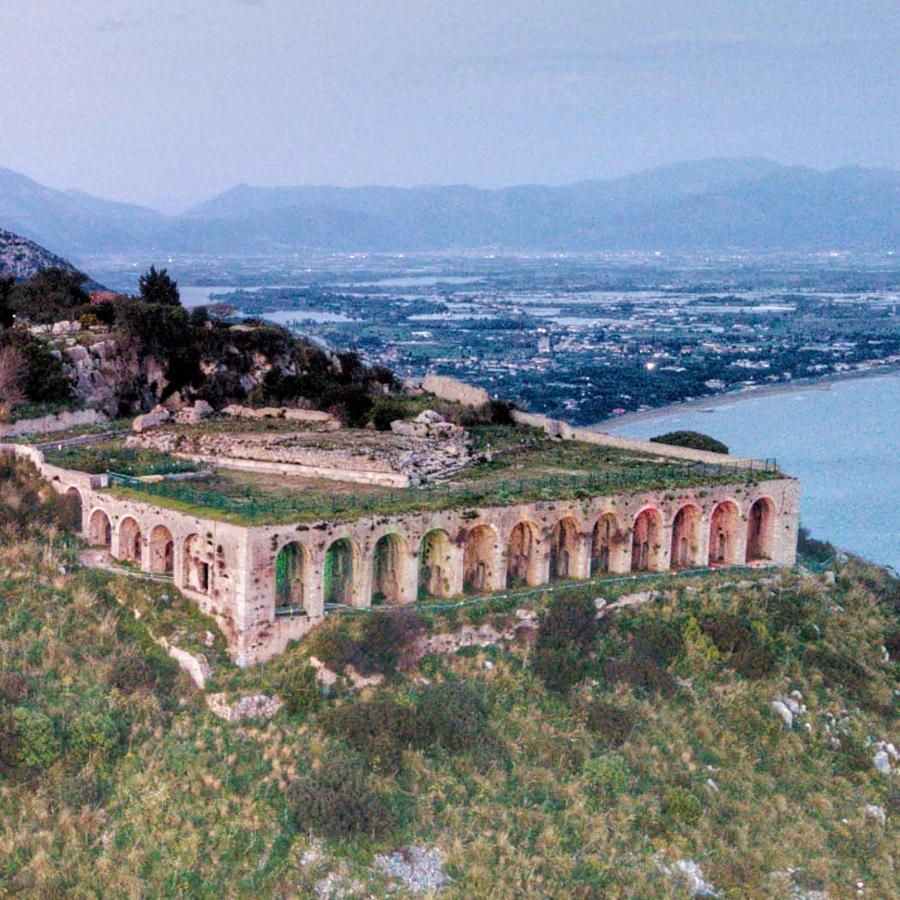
(388, 640)
(378, 730)
(892, 645)
(130, 672)
(9, 739)
(681, 808)
(643, 674)
(333, 646)
(696, 440)
(659, 640)
(453, 716)
(300, 690)
(727, 631)
(612, 724)
(607, 774)
(388, 410)
(566, 635)
(38, 746)
(809, 547)
(14, 687)
(92, 731)
(338, 802)
(753, 661)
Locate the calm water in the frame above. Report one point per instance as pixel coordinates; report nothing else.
(842, 443)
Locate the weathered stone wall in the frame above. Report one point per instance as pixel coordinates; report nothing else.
(558, 429)
(455, 391)
(49, 424)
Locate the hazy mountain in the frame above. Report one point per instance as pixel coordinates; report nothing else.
(708, 205)
(21, 258)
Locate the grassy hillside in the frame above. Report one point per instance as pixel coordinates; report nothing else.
(116, 780)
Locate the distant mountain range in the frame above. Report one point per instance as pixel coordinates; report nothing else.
(711, 205)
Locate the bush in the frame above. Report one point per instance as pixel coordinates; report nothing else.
(379, 730)
(338, 802)
(727, 631)
(695, 440)
(38, 747)
(388, 410)
(388, 640)
(681, 808)
(300, 690)
(92, 732)
(809, 547)
(565, 637)
(643, 674)
(612, 724)
(607, 774)
(130, 673)
(892, 645)
(454, 717)
(753, 661)
(14, 687)
(659, 640)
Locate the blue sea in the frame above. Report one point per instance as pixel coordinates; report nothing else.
(843, 443)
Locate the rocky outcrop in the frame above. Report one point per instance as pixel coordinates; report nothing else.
(193, 415)
(156, 417)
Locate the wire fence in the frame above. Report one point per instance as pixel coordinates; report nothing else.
(250, 504)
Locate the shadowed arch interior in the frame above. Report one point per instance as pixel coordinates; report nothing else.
(435, 560)
(196, 565)
(478, 561)
(685, 538)
(100, 529)
(387, 569)
(607, 543)
(723, 535)
(162, 551)
(564, 548)
(340, 572)
(760, 530)
(645, 546)
(522, 555)
(130, 540)
(291, 571)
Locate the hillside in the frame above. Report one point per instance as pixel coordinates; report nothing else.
(21, 259)
(663, 767)
(708, 205)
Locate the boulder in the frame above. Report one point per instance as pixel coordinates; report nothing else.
(152, 419)
(191, 415)
(783, 713)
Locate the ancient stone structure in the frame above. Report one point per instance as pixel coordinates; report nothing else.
(455, 391)
(267, 585)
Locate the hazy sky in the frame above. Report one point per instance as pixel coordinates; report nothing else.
(168, 101)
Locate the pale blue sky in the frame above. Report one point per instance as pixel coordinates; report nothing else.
(169, 101)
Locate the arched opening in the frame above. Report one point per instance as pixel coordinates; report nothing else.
(162, 551)
(339, 574)
(478, 560)
(607, 542)
(645, 546)
(387, 569)
(196, 565)
(130, 540)
(685, 538)
(564, 548)
(290, 576)
(723, 528)
(73, 509)
(760, 529)
(522, 555)
(100, 529)
(435, 559)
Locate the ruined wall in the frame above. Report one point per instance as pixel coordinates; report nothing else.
(558, 429)
(455, 391)
(49, 424)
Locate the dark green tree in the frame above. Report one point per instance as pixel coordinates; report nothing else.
(157, 288)
(51, 295)
(7, 314)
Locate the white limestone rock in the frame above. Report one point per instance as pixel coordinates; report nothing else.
(783, 713)
(152, 419)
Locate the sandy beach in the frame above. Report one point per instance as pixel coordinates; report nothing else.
(750, 393)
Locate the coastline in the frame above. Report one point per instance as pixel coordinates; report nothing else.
(731, 397)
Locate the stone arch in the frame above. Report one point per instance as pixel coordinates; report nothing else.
(130, 540)
(645, 541)
(100, 529)
(685, 538)
(387, 569)
(523, 555)
(479, 560)
(564, 548)
(761, 530)
(74, 508)
(723, 535)
(291, 574)
(162, 551)
(196, 565)
(435, 560)
(608, 543)
(340, 572)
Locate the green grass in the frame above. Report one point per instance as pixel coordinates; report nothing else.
(174, 802)
(107, 456)
(520, 466)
